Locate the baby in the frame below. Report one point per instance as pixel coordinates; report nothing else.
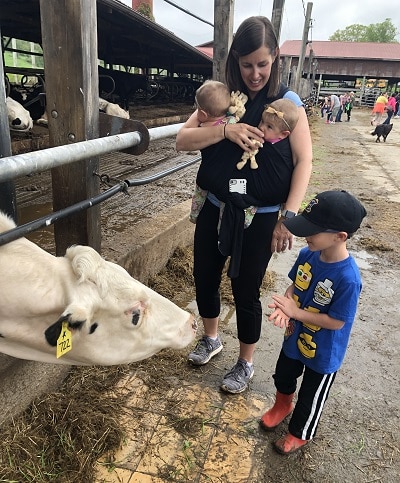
(278, 121)
(215, 105)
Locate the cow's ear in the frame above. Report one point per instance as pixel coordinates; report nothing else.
(85, 262)
(53, 332)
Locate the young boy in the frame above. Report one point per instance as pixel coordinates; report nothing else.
(318, 311)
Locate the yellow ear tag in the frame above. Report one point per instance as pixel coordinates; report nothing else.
(64, 342)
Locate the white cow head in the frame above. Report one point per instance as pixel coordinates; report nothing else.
(19, 119)
(113, 318)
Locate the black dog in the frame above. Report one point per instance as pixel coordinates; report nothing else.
(382, 130)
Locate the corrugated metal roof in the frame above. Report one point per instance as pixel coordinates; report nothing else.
(125, 37)
(343, 50)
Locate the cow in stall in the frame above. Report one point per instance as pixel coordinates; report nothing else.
(112, 109)
(121, 85)
(81, 309)
(19, 118)
(108, 107)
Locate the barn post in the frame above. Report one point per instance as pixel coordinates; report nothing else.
(8, 202)
(304, 43)
(69, 37)
(276, 17)
(223, 34)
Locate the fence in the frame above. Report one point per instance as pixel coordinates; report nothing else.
(23, 164)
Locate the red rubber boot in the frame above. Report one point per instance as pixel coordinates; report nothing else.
(283, 407)
(289, 444)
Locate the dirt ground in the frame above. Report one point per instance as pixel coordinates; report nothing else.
(219, 438)
(359, 435)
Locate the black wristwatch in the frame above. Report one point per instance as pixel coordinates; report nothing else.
(288, 214)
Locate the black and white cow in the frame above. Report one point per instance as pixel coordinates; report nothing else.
(19, 119)
(90, 310)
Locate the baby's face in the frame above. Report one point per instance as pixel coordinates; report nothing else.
(270, 132)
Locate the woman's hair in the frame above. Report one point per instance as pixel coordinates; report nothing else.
(253, 33)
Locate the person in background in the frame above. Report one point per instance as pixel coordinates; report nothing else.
(349, 105)
(324, 107)
(334, 107)
(318, 311)
(397, 115)
(379, 109)
(276, 189)
(342, 101)
(390, 108)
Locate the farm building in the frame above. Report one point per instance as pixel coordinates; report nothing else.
(346, 61)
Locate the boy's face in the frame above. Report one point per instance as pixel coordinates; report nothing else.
(324, 240)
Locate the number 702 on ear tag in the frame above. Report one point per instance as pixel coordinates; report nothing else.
(64, 341)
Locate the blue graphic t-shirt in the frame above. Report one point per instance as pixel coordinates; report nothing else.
(329, 288)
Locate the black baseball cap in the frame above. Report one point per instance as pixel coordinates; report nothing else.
(328, 211)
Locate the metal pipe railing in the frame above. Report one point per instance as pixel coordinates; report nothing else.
(22, 230)
(12, 167)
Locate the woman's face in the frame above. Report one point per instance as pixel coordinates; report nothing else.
(255, 69)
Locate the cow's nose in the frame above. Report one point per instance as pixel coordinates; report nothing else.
(195, 325)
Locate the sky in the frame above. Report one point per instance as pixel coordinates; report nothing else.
(327, 16)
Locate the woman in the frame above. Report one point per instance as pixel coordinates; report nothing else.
(276, 187)
(390, 108)
(379, 109)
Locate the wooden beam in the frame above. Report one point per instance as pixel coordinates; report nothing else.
(223, 34)
(8, 202)
(69, 39)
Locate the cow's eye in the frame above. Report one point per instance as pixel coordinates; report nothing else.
(135, 317)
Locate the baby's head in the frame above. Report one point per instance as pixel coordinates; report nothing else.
(212, 100)
(279, 119)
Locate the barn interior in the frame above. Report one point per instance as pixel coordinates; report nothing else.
(125, 37)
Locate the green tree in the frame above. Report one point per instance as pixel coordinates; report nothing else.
(384, 32)
(145, 10)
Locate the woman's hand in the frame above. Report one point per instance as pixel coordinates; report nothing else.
(281, 238)
(243, 135)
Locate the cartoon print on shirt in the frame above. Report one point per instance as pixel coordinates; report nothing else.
(303, 277)
(306, 345)
(323, 292)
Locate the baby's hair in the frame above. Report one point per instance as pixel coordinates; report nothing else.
(282, 113)
(214, 98)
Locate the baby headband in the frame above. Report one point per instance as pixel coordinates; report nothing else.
(280, 114)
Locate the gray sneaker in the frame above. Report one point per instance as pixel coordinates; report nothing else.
(237, 379)
(205, 349)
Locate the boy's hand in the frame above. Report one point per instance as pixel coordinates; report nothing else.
(279, 318)
(284, 309)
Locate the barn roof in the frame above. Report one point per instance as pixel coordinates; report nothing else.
(343, 50)
(125, 37)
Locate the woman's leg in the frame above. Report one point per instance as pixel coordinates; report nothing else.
(256, 253)
(208, 262)
(208, 266)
